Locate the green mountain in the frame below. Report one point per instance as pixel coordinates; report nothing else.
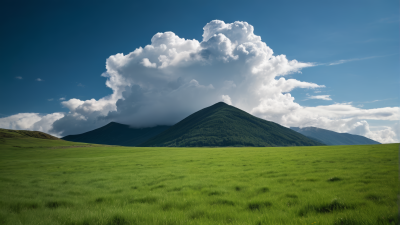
(333, 138)
(117, 134)
(6, 133)
(225, 125)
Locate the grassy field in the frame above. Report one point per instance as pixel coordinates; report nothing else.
(47, 182)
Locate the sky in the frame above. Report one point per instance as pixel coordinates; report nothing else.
(69, 67)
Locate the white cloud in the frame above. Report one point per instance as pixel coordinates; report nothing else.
(50, 99)
(19, 78)
(146, 62)
(38, 79)
(321, 97)
(31, 121)
(384, 134)
(227, 99)
(340, 62)
(350, 60)
(172, 77)
(62, 99)
(343, 118)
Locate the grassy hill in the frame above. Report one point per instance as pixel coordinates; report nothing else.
(225, 125)
(6, 133)
(56, 182)
(117, 134)
(333, 138)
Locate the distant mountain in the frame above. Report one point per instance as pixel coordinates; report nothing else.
(117, 134)
(333, 138)
(225, 125)
(6, 133)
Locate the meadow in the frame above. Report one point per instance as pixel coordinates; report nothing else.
(59, 182)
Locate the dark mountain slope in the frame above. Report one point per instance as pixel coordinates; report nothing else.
(6, 133)
(225, 125)
(333, 138)
(117, 134)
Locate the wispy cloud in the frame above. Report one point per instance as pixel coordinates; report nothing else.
(354, 59)
(378, 100)
(51, 99)
(320, 97)
(81, 85)
(350, 60)
(38, 79)
(62, 99)
(19, 78)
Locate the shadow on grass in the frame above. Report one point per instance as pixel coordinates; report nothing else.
(197, 214)
(333, 179)
(175, 189)
(56, 204)
(263, 190)
(158, 187)
(375, 198)
(335, 205)
(222, 202)
(347, 221)
(99, 200)
(147, 199)
(292, 202)
(253, 206)
(176, 205)
(118, 220)
(291, 196)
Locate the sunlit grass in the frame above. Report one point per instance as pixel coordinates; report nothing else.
(42, 183)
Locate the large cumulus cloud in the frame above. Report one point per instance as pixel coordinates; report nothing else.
(173, 77)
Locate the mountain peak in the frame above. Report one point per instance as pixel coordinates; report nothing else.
(224, 125)
(218, 105)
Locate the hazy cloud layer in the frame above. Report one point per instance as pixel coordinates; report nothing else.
(173, 77)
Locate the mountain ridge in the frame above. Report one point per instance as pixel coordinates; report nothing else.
(329, 137)
(224, 125)
(117, 134)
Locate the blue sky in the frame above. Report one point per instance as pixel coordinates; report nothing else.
(353, 47)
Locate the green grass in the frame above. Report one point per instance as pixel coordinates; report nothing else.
(44, 182)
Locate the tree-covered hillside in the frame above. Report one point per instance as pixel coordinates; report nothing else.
(225, 125)
(117, 134)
